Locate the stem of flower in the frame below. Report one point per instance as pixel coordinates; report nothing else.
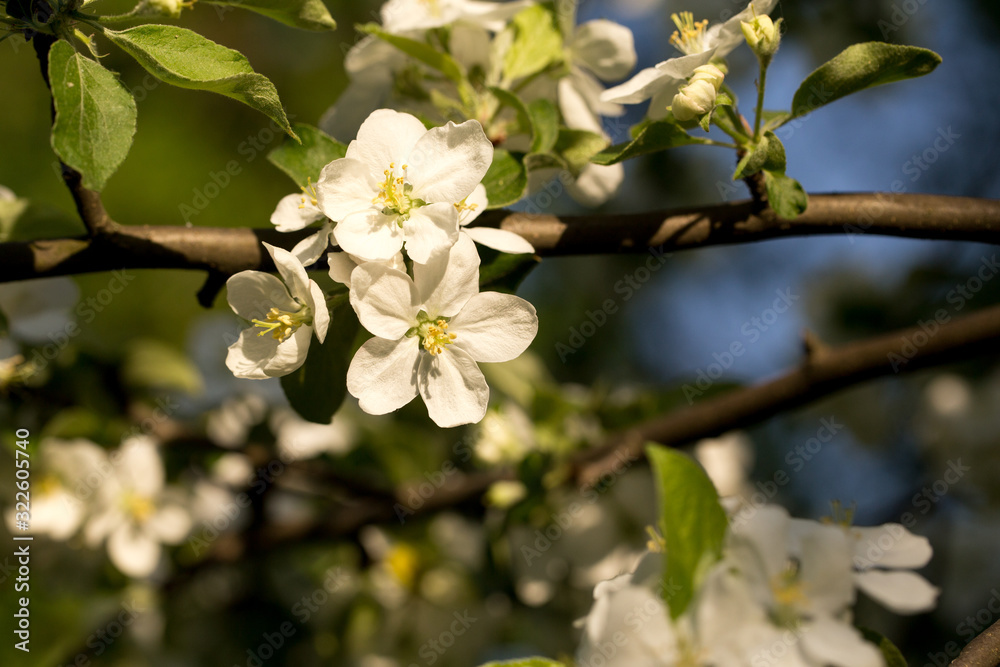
(761, 84)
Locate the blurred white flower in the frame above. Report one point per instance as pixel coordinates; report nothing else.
(407, 16)
(34, 309)
(136, 512)
(298, 439)
(292, 310)
(298, 211)
(505, 436)
(727, 459)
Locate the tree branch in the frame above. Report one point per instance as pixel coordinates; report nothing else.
(228, 251)
(983, 651)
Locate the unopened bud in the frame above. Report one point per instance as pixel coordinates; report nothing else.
(167, 8)
(693, 100)
(763, 35)
(710, 73)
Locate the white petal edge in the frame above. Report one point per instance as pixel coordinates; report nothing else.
(902, 592)
(383, 374)
(494, 327)
(453, 388)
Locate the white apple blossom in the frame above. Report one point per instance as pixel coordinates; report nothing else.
(136, 512)
(297, 211)
(399, 183)
(284, 316)
(405, 16)
(430, 332)
(342, 265)
(700, 43)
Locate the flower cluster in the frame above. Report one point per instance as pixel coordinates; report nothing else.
(401, 192)
(780, 594)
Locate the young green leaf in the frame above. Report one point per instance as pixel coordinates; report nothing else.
(768, 153)
(506, 179)
(185, 59)
(578, 147)
(654, 137)
(537, 44)
(304, 161)
(503, 272)
(785, 195)
(524, 119)
(545, 118)
(692, 522)
(858, 67)
(305, 14)
(317, 388)
(95, 115)
(891, 654)
(425, 53)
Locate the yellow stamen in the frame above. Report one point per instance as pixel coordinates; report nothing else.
(309, 194)
(283, 323)
(689, 36)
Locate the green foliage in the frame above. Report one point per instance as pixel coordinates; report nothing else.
(503, 272)
(654, 137)
(537, 43)
(577, 147)
(317, 388)
(506, 179)
(95, 115)
(785, 195)
(692, 522)
(305, 14)
(185, 59)
(768, 153)
(304, 160)
(21, 220)
(892, 655)
(545, 121)
(151, 364)
(858, 67)
(425, 53)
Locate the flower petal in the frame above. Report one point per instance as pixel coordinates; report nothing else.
(384, 138)
(826, 574)
(346, 186)
(383, 374)
(453, 388)
(832, 642)
(170, 524)
(250, 354)
(252, 293)
(385, 300)
(139, 466)
(606, 48)
(499, 239)
(291, 271)
(310, 249)
(597, 183)
(430, 231)
(294, 212)
(369, 235)
(494, 327)
(290, 353)
(903, 592)
(132, 551)
(321, 312)
(475, 204)
(449, 162)
(890, 545)
(447, 282)
(575, 104)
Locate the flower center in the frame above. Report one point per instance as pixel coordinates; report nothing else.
(309, 195)
(283, 323)
(394, 195)
(690, 36)
(464, 209)
(433, 6)
(789, 594)
(138, 507)
(433, 333)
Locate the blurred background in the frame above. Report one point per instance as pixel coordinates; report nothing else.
(391, 595)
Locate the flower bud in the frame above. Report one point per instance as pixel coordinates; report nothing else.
(693, 100)
(762, 35)
(710, 73)
(166, 8)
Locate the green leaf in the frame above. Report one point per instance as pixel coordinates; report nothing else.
(21, 220)
(524, 119)
(185, 59)
(692, 522)
(502, 272)
(304, 161)
(545, 118)
(537, 43)
(775, 119)
(578, 147)
(526, 662)
(893, 656)
(653, 138)
(858, 67)
(425, 53)
(317, 388)
(506, 179)
(152, 364)
(768, 153)
(305, 14)
(785, 195)
(95, 115)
